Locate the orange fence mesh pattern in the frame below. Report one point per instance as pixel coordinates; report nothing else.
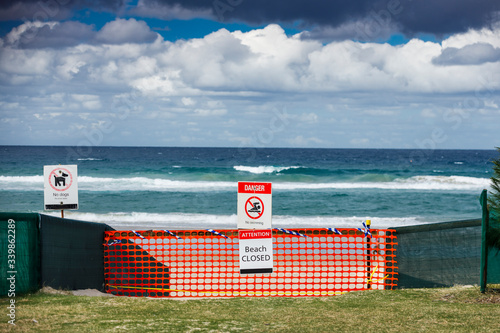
(203, 263)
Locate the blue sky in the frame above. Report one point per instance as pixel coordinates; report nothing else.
(239, 73)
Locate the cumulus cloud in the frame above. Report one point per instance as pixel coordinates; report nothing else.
(49, 34)
(485, 35)
(188, 101)
(474, 54)
(91, 102)
(232, 81)
(261, 60)
(122, 31)
(37, 34)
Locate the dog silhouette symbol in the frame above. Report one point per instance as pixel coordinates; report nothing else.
(59, 180)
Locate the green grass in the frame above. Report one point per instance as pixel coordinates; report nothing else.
(458, 309)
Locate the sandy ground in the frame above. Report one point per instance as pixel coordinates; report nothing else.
(493, 295)
(81, 292)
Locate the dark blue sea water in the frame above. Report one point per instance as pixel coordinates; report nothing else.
(153, 187)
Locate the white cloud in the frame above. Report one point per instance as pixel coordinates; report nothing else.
(46, 116)
(360, 142)
(26, 62)
(210, 113)
(235, 79)
(26, 32)
(69, 67)
(215, 104)
(384, 113)
(188, 101)
(491, 104)
(261, 60)
(122, 31)
(474, 54)
(487, 36)
(164, 83)
(301, 141)
(428, 113)
(91, 102)
(310, 118)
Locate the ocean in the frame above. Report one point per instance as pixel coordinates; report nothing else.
(196, 188)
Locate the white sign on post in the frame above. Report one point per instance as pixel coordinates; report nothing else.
(60, 187)
(254, 205)
(256, 251)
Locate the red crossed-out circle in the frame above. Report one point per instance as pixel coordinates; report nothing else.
(69, 179)
(249, 205)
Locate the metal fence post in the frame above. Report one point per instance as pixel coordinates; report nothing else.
(484, 244)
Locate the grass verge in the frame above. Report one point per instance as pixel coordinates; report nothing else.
(457, 309)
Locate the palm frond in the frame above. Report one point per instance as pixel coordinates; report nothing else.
(493, 238)
(493, 235)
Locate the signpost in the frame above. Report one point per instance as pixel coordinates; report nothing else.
(60, 187)
(255, 227)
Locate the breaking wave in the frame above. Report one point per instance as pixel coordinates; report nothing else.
(87, 183)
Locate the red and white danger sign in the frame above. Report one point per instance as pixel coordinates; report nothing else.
(60, 187)
(254, 205)
(256, 251)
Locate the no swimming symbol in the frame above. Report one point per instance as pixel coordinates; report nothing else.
(254, 207)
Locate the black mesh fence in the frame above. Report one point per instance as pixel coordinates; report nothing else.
(72, 253)
(439, 254)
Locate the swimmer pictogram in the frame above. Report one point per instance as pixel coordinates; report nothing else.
(254, 207)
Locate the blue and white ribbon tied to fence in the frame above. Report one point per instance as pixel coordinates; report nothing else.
(335, 231)
(113, 242)
(365, 230)
(171, 233)
(217, 233)
(138, 234)
(290, 232)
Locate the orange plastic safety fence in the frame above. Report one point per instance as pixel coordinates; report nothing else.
(203, 263)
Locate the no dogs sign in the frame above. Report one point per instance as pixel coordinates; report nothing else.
(254, 205)
(60, 187)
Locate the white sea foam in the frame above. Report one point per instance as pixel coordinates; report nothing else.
(263, 168)
(443, 183)
(21, 183)
(158, 221)
(87, 183)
